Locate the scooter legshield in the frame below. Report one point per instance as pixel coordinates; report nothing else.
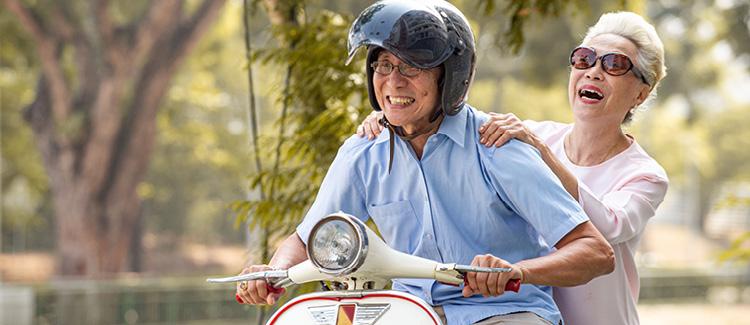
(355, 308)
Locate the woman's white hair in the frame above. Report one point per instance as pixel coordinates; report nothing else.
(650, 50)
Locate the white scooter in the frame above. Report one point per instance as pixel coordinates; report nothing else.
(343, 250)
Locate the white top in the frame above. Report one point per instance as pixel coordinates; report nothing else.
(619, 196)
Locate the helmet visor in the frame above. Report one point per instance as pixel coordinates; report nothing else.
(411, 30)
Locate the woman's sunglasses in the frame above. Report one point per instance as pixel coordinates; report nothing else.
(614, 64)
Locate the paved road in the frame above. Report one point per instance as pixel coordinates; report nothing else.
(688, 314)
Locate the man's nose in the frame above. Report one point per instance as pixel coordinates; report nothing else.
(396, 78)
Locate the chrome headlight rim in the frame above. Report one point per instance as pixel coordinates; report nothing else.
(359, 230)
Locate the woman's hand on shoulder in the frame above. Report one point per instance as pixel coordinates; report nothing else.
(371, 126)
(500, 128)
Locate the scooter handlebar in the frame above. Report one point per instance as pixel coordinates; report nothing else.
(269, 287)
(512, 284)
(272, 277)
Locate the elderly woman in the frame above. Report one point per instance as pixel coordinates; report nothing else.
(613, 73)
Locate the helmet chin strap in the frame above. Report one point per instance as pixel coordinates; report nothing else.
(399, 131)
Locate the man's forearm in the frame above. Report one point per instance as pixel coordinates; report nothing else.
(290, 253)
(577, 261)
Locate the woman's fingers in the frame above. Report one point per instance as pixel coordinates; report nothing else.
(489, 130)
(503, 139)
(495, 127)
(491, 137)
(370, 127)
(368, 131)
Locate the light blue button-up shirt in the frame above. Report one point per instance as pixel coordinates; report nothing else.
(460, 200)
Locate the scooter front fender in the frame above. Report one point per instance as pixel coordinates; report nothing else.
(355, 307)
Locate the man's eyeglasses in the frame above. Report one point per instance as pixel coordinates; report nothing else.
(385, 68)
(614, 64)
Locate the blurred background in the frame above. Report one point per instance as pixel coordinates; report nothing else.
(147, 145)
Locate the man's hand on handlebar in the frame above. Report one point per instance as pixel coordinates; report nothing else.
(490, 284)
(257, 292)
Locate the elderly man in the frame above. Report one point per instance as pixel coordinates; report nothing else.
(434, 191)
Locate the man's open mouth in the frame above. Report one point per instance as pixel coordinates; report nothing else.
(400, 100)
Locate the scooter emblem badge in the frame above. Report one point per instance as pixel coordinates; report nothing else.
(347, 314)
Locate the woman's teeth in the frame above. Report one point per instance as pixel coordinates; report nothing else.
(400, 100)
(590, 94)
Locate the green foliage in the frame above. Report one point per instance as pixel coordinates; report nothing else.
(739, 250)
(519, 13)
(201, 149)
(324, 99)
(25, 205)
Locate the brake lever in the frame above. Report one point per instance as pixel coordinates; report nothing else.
(276, 280)
(270, 276)
(479, 269)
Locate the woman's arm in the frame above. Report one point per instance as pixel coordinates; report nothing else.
(619, 215)
(623, 214)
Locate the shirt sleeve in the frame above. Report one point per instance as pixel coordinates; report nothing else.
(342, 190)
(623, 214)
(529, 188)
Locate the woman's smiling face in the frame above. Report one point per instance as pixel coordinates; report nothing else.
(595, 94)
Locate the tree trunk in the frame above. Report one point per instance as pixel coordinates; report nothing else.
(95, 132)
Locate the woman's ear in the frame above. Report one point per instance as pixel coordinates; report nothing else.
(642, 94)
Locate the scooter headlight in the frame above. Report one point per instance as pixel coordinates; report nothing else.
(337, 244)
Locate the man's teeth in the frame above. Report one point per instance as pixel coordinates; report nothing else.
(401, 100)
(590, 94)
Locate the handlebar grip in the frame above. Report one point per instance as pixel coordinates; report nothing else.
(273, 289)
(269, 287)
(513, 285)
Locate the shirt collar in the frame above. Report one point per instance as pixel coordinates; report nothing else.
(454, 127)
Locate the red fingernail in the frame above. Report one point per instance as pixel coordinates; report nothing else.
(239, 299)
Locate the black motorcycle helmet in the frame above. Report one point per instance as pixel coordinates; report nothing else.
(424, 34)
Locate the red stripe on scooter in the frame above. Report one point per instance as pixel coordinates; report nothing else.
(387, 295)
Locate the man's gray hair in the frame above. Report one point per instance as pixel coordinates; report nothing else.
(650, 50)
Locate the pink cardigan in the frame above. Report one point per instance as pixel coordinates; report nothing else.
(619, 196)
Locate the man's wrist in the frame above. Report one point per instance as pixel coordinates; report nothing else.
(524, 274)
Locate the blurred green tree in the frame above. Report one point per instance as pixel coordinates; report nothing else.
(24, 185)
(695, 130)
(104, 70)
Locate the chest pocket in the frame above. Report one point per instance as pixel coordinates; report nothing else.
(398, 224)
